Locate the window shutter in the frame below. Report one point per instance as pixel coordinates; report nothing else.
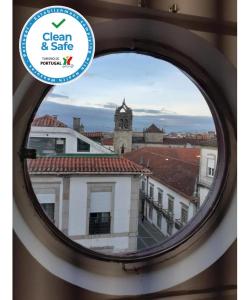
(100, 201)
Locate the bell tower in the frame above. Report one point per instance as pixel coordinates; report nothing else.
(123, 129)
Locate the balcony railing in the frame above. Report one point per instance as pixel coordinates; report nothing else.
(168, 214)
(157, 205)
(179, 224)
(144, 196)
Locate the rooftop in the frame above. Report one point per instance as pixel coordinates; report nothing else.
(191, 141)
(108, 141)
(84, 164)
(48, 121)
(93, 134)
(176, 168)
(153, 129)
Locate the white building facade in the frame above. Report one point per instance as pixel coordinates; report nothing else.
(208, 162)
(50, 136)
(97, 208)
(165, 208)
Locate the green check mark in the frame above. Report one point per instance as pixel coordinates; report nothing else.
(59, 24)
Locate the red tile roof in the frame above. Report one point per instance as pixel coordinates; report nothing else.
(192, 141)
(47, 121)
(177, 168)
(94, 134)
(85, 164)
(108, 141)
(153, 129)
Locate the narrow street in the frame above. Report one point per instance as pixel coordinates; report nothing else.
(148, 235)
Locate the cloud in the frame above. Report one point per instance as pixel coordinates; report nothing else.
(136, 111)
(154, 111)
(110, 105)
(54, 95)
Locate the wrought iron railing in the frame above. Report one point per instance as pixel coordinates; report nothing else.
(179, 224)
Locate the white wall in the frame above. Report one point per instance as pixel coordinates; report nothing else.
(70, 137)
(78, 211)
(203, 173)
(78, 208)
(42, 185)
(205, 181)
(203, 192)
(116, 244)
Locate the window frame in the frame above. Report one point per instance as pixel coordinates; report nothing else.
(100, 186)
(226, 139)
(184, 208)
(81, 141)
(151, 188)
(171, 200)
(159, 219)
(99, 232)
(210, 157)
(160, 192)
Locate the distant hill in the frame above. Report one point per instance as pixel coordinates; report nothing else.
(100, 119)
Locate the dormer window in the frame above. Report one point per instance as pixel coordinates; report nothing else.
(82, 146)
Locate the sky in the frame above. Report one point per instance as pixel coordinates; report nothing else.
(150, 86)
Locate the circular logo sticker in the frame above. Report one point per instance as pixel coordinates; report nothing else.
(57, 45)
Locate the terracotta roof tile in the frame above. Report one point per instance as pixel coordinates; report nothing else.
(107, 141)
(176, 168)
(94, 134)
(84, 165)
(47, 121)
(192, 141)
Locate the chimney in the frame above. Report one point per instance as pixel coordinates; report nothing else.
(76, 124)
(54, 117)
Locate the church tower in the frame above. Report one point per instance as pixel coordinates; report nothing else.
(123, 129)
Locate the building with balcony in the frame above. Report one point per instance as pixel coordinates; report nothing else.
(169, 197)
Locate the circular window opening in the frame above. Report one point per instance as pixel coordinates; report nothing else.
(125, 157)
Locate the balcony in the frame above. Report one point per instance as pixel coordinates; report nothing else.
(146, 197)
(157, 205)
(179, 224)
(168, 214)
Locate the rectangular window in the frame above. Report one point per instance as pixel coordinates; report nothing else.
(184, 214)
(49, 209)
(150, 212)
(100, 197)
(160, 197)
(47, 146)
(82, 146)
(60, 146)
(159, 217)
(210, 166)
(211, 172)
(143, 185)
(99, 223)
(169, 228)
(151, 191)
(170, 204)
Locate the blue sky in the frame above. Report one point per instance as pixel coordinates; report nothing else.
(150, 86)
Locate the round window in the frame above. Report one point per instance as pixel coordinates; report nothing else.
(123, 160)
